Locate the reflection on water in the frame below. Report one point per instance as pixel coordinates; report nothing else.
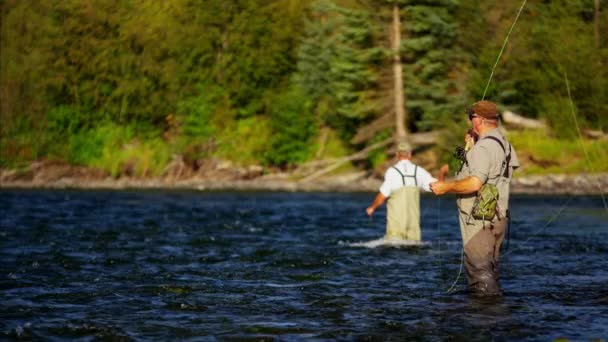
(177, 265)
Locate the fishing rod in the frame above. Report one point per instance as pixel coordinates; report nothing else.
(504, 44)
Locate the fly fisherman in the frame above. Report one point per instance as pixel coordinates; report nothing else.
(402, 184)
(482, 186)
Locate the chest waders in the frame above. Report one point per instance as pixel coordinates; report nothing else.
(403, 211)
(481, 246)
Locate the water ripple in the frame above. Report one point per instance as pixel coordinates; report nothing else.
(165, 265)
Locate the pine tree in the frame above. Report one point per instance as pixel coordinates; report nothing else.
(429, 56)
(346, 63)
(337, 65)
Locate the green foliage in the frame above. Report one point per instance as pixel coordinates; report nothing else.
(559, 116)
(194, 115)
(293, 128)
(192, 131)
(244, 141)
(345, 62)
(551, 41)
(136, 158)
(429, 56)
(23, 145)
(558, 155)
(116, 150)
(65, 120)
(25, 59)
(316, 52)
(99, 82)
(352, 68)
(338, 65)
(88, 147)
(378, 157)
(334, 146)
(255, 48)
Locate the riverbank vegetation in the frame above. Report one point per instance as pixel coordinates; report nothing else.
(130, 87)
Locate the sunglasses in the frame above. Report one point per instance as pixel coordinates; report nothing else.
(470, 113)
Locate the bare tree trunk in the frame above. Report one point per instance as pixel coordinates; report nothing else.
(322, 142)
(400, 113)
(341, 161)
(516, 120)
(596, 24)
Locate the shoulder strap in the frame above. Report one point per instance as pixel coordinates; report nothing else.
(498, 141)
(507, 160)
(403, 176)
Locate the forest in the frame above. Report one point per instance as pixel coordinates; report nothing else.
(280, 83)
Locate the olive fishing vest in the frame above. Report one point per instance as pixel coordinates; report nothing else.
(500, 180)
(503, 180)
(403, 211)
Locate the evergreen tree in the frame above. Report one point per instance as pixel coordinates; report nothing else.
(345, 62)
(222, 67)
(429, 57)
(337, 65)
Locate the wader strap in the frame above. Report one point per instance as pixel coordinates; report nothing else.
(410, 176)
(507, 161)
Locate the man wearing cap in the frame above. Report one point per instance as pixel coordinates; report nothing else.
(401, 185)
(491, 160)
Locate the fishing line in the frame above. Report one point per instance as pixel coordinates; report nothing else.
(546, 224)
(587, 160)
(580, 136)
(450, 290)
(439, 231)
(504, 44)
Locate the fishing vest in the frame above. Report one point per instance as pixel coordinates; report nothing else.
(507, 161)
(486, 205)
(499, 178)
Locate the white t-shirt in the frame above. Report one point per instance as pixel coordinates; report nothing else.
(393, 180)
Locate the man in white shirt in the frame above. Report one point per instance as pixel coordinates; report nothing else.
(402, 184)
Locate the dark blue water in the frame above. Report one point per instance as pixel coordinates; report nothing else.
(153, 265)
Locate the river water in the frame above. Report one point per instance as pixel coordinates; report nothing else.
(166, 265)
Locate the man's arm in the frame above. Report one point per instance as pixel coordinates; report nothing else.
(380, 198)
(467, 185)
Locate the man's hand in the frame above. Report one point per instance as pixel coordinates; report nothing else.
(375, 204)
(469, 141)
(440, 187)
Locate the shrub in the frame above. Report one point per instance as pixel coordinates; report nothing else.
(293, 127)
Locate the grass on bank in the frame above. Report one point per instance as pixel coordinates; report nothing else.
(120, 150)
(539, 153)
